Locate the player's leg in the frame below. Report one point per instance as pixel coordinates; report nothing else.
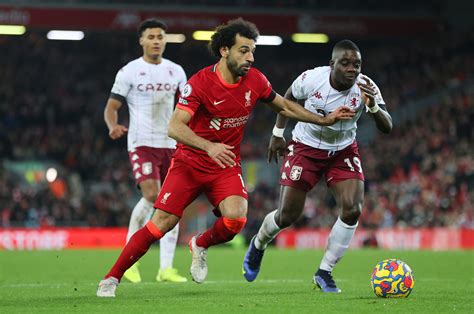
(301, 169)
(291, 206)
(227, 191)
(346, 182)
(170, 203)
(234, 216)
(349, 195)
(168, 242)
(167, 249)
(146, 175)
(136, 247)
(225, 228)
(140, 215)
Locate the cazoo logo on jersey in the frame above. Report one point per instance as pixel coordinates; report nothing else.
(221, 123)
(156, 87)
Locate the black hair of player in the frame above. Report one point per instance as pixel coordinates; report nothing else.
(224, 35)
(151, 23)
(345, 44)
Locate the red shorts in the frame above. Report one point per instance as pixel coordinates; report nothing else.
(304, 165)
(150, 163)
(184, 183)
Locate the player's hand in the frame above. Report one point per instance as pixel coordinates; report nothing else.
(117, 131)
(222, 154)
(276, 148)
(369, 91)
(341, 113)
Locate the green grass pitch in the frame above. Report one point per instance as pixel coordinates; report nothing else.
(65, 281)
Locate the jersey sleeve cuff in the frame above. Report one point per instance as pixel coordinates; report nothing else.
(118, 97)
(187, 109)
(270, 97)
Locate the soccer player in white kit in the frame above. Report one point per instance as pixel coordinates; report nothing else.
(317, 150)
(148, 85)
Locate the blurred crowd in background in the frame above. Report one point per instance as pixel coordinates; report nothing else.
(53, 94)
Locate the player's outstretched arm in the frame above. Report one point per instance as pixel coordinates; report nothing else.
(382, 118)
(111, 119)
(179, 130)
(293, 110)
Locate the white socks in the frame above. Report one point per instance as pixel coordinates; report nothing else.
(267, 232)
(140, 215)
(338, 242)
(168, 246)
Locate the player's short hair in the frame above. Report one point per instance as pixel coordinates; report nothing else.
(345, 44)
(224, 35)
(151, 23)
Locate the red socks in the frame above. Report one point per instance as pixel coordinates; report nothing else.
(136, 247)
(223, 230)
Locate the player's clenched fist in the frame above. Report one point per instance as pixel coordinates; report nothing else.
(117, 131)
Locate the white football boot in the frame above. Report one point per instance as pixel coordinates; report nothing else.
(199, 264)
(107, 287)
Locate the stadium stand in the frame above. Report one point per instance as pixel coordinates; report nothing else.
(53, 94)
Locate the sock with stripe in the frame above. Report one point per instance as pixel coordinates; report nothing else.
(136, 247)
(223, 230)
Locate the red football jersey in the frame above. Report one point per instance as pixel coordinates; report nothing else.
(220, 110)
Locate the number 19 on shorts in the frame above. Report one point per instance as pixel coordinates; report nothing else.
(356, 162)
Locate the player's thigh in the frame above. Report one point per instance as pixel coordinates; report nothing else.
(348, 193)
(227, 191)
(291, 200)
(179, 189)
(149, 189)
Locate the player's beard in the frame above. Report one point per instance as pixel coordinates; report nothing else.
(236, 69)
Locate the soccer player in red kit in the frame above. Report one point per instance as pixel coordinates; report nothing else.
(208, 124)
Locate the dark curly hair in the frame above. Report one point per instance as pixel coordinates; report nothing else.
(224, 35)
(150, 23)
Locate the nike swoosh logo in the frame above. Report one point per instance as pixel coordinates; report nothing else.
(218, 102)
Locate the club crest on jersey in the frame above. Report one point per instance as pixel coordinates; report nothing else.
(317, 95)
(248, 99)
(295, 173)
(187, 90)
(165, 198)
(353, 101)
(147, 168)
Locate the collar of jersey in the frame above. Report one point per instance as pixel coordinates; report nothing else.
(223, 82)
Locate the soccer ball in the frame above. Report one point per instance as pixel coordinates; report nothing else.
(392, 278)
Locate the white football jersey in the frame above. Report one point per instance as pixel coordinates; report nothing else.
(321, 98)
(150, 93)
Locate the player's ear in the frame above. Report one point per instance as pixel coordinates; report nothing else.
(331, 64)
(140, 40)
(224, 52)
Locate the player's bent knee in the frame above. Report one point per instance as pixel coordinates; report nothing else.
(351, 215)
(287, 217)
(235, 225)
